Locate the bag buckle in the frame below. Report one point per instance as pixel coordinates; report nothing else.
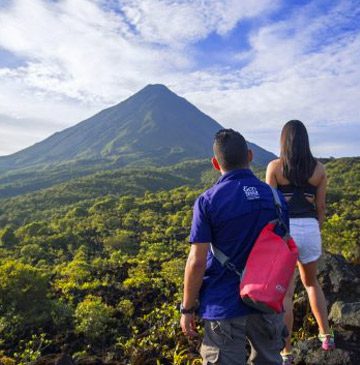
(232, 267)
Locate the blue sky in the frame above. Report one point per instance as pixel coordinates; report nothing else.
(251, 65)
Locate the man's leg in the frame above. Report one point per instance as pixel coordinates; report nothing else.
(266, 333)
(224, 342)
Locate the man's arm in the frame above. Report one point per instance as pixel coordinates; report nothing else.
(194, 273)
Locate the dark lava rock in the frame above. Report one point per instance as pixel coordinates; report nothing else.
(309, 353)
(340, 281)
(345, 314)
(47, 360)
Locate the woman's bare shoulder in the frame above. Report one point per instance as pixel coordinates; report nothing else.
(318, 175)
(274, 164)
(320, 168)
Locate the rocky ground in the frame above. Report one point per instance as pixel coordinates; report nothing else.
(341, 284)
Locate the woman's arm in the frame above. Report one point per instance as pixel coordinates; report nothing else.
(271, 175)
(320, 200)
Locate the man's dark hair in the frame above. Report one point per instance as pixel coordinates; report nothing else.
(230, 149)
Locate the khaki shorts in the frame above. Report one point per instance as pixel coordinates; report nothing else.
(225, 340)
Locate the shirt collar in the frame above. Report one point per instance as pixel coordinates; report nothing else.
(235, 174)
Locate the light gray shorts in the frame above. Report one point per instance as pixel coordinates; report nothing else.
(306, 233)
(225, 340)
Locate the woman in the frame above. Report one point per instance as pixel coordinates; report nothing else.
(302, 180)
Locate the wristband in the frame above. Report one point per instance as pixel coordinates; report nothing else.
(183, 310)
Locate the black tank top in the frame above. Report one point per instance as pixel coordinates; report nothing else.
(299, 206)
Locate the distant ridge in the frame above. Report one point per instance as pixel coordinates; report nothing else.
(154, 126)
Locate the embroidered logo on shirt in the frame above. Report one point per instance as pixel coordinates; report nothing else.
(251, 192)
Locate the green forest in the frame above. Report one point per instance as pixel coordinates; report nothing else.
(97, 262)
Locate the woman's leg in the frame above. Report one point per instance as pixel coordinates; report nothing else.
(316, 296)
(289, 313)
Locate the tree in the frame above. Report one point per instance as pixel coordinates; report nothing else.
(93, 318)
(8, 238)
(24, 299)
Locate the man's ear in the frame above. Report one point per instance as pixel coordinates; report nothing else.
(215, 163)
(250, 155)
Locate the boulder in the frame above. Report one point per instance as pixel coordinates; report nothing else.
(340, 282)
(308, 353)
(345, 314)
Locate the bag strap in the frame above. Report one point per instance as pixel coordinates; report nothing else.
(278, 207)
(220, 256)
(225, 260)
(276, 198)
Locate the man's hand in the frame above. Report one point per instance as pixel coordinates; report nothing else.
(188, 325)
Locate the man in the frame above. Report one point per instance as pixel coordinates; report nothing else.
(230, 215)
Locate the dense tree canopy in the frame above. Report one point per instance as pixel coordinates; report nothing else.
(103, 272)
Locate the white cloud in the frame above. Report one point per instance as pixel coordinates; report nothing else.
(288, 79)
(23, 132)
(18, 100)
(176, 22)
(77, 50)
(83, 55)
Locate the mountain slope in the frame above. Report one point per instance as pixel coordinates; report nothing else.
(153, 126)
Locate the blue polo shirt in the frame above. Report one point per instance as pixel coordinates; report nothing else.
(231, 215)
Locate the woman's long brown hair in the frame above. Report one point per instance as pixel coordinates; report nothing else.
(296, 158)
